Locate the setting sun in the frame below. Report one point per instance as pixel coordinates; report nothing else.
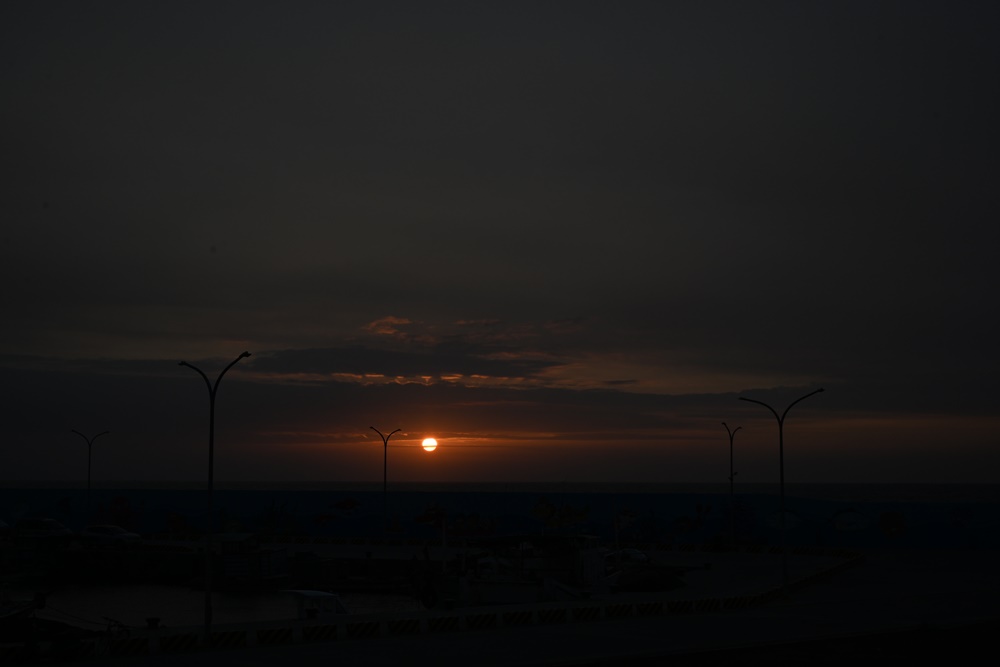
(429, 444)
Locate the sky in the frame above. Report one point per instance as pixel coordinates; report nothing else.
(564, 238)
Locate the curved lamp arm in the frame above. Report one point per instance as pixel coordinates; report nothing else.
(232, 363)
(385, 438)
(743, 398)
(732, 433)
(208, 383)
(90, 441)
(801, 398)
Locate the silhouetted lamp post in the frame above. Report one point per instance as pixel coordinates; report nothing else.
(90, 447)
(212, 389)
(781, 465)
(385, 469)
(732, 475)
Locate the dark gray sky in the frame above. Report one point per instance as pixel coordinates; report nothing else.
(563, 237)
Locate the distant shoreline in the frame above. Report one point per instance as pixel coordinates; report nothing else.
(893, 492)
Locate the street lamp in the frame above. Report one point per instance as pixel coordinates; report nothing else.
(90, 446)
(385, 464)
(212, 389)
(781, 465)
(732, 475)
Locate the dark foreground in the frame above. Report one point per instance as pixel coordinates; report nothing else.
(932, 605)
(920, 645)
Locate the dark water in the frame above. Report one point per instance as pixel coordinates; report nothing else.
(835, 515)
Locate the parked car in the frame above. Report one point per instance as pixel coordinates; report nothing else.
(107, 536)
(41, 531)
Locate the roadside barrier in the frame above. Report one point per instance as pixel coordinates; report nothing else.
(549, 616)
(590, 613)
(228, 639)
(177, 640)
(703, 606)
(680, 606)
(362, 629)
(177, 643)
(740, 602)
(649, 608)
(480, 621)
(272, 636)
(403, 626)
(320, 633)
(618, 610)
(128, 646)
(515, 618)
(444, 624)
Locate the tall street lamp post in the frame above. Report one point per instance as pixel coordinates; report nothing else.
(781, 465)
(90, 447)
(385, 469)
(732, 475)
(212, 389)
